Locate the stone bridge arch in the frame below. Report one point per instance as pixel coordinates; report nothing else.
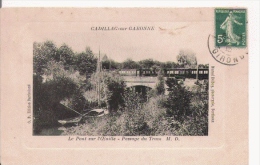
(140, 89)
(140, 81)
(134, 84)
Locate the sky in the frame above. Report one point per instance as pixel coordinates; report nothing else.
(162, 44)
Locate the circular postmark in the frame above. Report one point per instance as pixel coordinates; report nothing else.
(227, 55)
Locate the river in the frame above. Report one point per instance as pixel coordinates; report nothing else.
(54, 131)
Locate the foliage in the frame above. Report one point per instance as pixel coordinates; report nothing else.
(150, 64)
(152, 93)
(197, 123)
(130, 64)
(187, 59)
(169, 64)
(46, 52)
(132, 100)
(56, 79)
(47, 98)
(78, 101)
(178, 101)
(42, 53)
(149, 118)
(112, 88)
(136, 118)
(86, 63)
(55, 70)
(111, 64)
(66, 55)
(160, 84)
(114, 91)
(205, 66)
(57, 89)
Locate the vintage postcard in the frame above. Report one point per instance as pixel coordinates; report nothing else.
(124, 86)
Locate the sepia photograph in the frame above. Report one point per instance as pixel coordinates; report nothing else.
(128, 86)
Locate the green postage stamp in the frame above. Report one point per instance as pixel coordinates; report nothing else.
(230, 27)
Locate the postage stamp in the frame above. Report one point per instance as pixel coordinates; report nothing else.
(230, 27)
(226, 55)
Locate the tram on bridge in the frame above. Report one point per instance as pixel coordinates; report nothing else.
(180, 73)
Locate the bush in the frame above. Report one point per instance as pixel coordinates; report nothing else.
(140, 118)
(47, 97)
(132, 100)
(137, 118)
(78, 102)
(178, 101)
(160, 85)
(114, 88)
(151, 93)
(159, 116)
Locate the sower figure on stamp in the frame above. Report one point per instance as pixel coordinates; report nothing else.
(228, 26)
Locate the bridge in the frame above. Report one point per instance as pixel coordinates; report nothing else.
(140, 85)
(144, 84)
(143, 80)
(132, 81)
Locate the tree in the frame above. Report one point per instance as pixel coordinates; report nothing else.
(65, 54)
(114, 91)
(156, 69)
(106, 64)
(201, 66)
(114, 65)
(47, 97)
(42, 54)
(169, 64)
(178, 101)
(187, 59)
(147, 63)
(111, 64)
(86, 62)
(130, 64)
(160, 85)
(78, 101)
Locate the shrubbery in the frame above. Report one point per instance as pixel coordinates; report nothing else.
(178, 101)
(47, 96)
(137, 118)
(160, 84)
(183, 113)
(56, 78)
(114, 91)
